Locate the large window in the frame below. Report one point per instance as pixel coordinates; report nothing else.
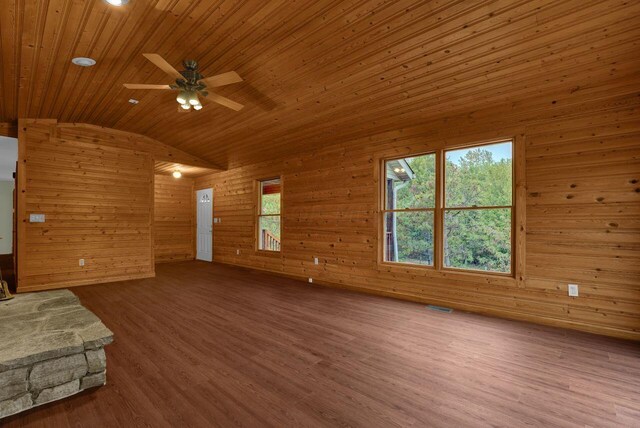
(452, 209)
(409, 206)
(269, 215)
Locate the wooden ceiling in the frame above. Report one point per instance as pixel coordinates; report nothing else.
(167, 168)
(315, 71)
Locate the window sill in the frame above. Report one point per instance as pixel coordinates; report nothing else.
(503, 279)
(275, 254)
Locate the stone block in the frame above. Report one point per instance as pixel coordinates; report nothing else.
(58, 392)
(48, 344)
(15, 405)
(96, 360)
(41, 326)
(56, 372)
(93, 380)
(13, 383)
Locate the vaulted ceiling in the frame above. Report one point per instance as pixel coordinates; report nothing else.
(314, 71)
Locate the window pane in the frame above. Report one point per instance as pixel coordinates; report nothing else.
(408, 237)
(478, 239)
(270, 196)
(411, 182)
(269, 233)
(479, 176)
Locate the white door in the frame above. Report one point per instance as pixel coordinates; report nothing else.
(204, 199)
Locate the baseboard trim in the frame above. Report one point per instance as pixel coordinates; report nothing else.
(70, 284)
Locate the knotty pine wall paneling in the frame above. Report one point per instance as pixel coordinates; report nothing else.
(97, 198)
(174, 225)
(582, 204)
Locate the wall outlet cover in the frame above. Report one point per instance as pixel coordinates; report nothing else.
(310, 279)
(36, 218)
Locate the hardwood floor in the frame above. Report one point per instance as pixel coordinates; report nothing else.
(211, 345)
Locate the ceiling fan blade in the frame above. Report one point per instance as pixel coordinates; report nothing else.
(224, 101)
(143, 86)
(163, 65)
(222, 79)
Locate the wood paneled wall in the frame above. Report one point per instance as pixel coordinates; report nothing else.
(97, 198)
(582, 207)
(174, 219)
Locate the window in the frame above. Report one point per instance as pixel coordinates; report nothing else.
(410, 201)
(269, 215)
(468, 224)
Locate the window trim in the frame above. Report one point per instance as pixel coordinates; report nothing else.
(518, 207)
(258, 213)
(384, 210)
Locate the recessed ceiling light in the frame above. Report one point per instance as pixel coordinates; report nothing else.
(84, 62)
(117, 2)
(133, 101)
(177, 174)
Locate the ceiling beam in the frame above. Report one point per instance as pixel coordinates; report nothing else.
(8, 129)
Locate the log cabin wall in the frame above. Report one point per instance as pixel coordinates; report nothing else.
(174, 224)
(581, 204)
(97, 198)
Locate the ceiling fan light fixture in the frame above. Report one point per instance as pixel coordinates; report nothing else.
(182, 97)
(185, 106)
(197, 106)
(177, 174)
(193, 99)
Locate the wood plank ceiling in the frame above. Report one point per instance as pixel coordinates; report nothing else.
(315, 71)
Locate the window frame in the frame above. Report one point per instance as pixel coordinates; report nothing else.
(517, 208)
(259, 215)
(384, 210)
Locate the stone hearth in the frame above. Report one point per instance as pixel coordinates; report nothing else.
(51, 347)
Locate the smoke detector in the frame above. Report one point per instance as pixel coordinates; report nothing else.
(83, 61)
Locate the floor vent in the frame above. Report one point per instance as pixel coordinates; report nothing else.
(439, 309)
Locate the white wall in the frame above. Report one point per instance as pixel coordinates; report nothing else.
(6, 217)
(8, 157)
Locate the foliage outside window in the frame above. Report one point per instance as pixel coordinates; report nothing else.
(269, 216)
(410, 195)
(476, 210)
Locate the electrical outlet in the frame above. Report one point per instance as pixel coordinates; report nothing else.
(315, 260)
(573, 290)
(310, 279)
(237, 252)
(81, 262)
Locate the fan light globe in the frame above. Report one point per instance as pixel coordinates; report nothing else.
(182, 97)
(177, 174)
(197, 106)
(185, 106)
(193, 100)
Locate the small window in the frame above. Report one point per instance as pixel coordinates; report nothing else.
(478, 207)
(269, 226)
(409, 206)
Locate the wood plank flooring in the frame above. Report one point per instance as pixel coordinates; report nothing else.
(205, 345)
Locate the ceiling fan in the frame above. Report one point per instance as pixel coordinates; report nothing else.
(190, 84)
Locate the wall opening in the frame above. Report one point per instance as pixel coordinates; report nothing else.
(8, 160)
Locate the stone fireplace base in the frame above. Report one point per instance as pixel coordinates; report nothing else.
(51, 347)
